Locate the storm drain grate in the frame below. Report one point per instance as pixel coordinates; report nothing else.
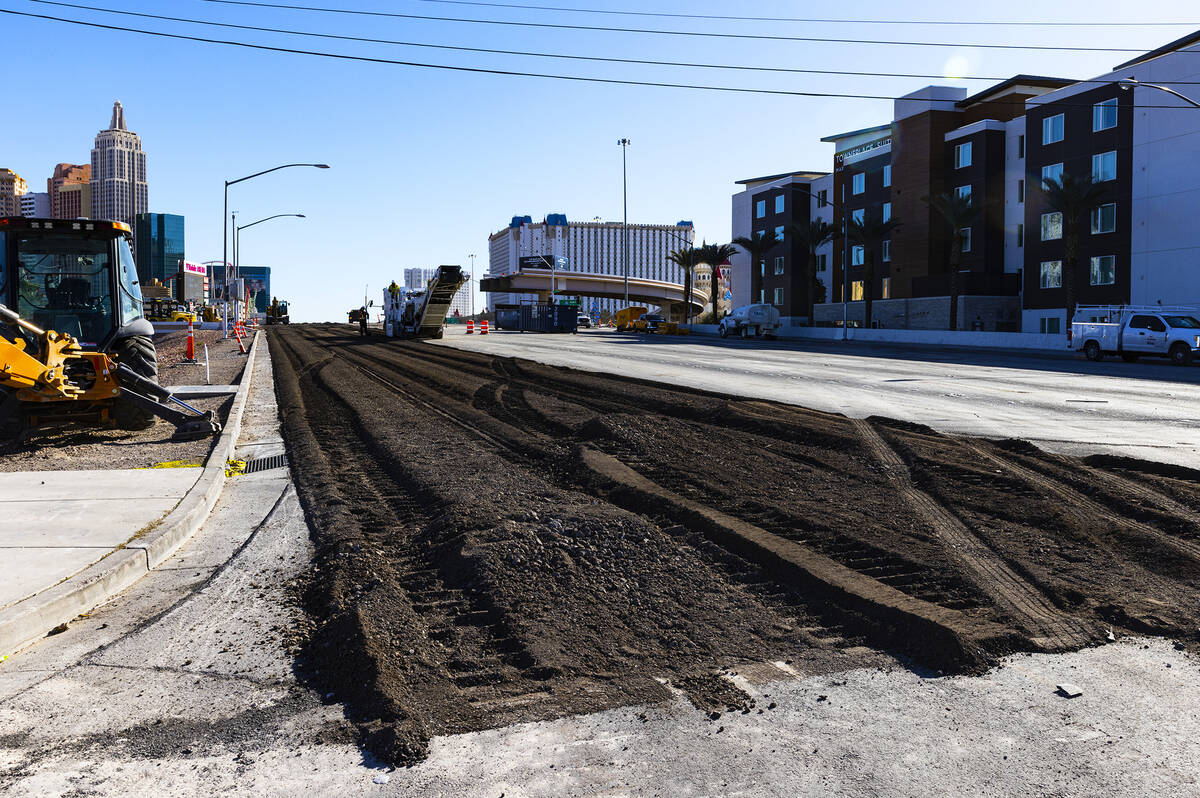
(266, 463)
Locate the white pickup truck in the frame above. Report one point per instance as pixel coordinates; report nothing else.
(1133, 331)
(750, 321)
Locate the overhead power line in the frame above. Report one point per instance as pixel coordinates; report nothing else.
(485, 71)
(818, 20)
(660, 32)
(572, 57)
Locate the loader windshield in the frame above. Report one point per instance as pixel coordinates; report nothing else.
(65, 284)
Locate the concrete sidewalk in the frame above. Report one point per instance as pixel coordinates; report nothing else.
(71, 539)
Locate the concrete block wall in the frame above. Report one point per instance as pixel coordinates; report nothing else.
(995, 313)
(960, 338)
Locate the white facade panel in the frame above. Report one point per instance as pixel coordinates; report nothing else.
(1014, 206)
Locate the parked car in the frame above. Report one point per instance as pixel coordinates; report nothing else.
(648, 322)
(750, 321)
(584, 320)
(1132, 331)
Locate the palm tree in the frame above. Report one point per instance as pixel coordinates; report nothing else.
(959, 213)
(1074, 198)
(814, 235)
(866, 234)
(685, 259)
(757, 246)
(714, 255)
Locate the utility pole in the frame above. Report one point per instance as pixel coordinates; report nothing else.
(471, 285)
(624, 144)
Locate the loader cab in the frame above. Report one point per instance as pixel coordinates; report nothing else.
(72, 276)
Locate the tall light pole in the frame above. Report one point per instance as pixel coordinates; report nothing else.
(237, 240)
(471, 284)
(225, 228)
(624, 144)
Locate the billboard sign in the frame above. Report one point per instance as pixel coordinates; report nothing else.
(536, 262)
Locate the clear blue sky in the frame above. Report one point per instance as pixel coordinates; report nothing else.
(427, 163)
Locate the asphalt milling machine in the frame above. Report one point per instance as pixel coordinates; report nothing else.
(421, 314)
(75, 346)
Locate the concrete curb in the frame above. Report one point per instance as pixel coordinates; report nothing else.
(30, 619)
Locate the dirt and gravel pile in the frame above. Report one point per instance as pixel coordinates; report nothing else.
(87, 448)
(501, 541)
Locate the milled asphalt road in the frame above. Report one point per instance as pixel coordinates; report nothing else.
(183, 686)
(1061, 402)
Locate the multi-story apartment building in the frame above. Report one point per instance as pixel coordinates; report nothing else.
(773, 203)
(12, 188)
(590, 247)
(35, 205)
(119, 188)
(460, 303)
(416, 278)
(70, 190)
(1138, 143)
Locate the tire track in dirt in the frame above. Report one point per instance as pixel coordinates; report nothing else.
(1052, 630)
(1184, 547)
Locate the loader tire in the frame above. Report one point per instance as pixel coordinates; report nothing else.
(137, 352)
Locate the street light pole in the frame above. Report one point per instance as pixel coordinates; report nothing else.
(471, 285)
(237, 242)
(624, 144)
(225, 229)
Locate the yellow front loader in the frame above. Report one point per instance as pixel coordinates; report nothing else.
(63, 383)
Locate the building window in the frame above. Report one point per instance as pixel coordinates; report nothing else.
(962, 155)
(762, 268)
(1104, 166)
(1104, 270)
(886, 251)
(1052, 172)
(1051, 274)
(856, 291)
(760, 209)
(1052, 129)
(778, 296)
(762, 296)
(965, 235)
(887, 211)
(964, 192)
(856, 256)
(859, 215)
(779, 233)
(1104, 218)
(887, 288)
(859, 184)
(1104, 115)
(779, 265)
(1020, 191)
(779, 203)
(887, 175)
(1021, 146)
(822, 263)
(822, 198)
(1051, 226)
(1050, 325)
(1020, 234)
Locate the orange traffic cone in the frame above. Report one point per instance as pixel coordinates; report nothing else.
(470, 326)
(190, 355)
(483, 327)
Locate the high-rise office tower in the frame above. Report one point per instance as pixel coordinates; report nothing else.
(119, 189)
(70, 191)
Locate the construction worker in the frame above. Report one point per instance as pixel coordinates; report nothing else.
(394, 290)
(362, 320)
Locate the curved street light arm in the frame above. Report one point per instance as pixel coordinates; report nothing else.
(276, 169)
(1129, 83)
(269, 218)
